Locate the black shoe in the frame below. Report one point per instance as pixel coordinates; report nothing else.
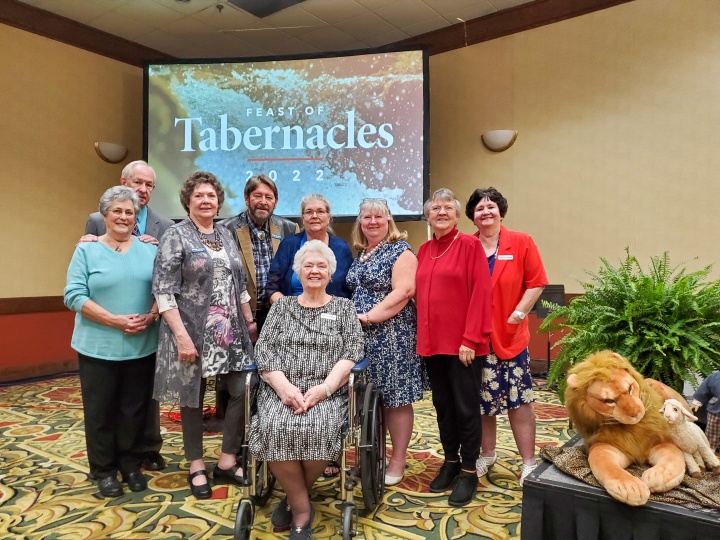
(304, 532)
(136, 481)
(203, 491)
(281, 518)
(153, 461)
(445, 477)
(465, 487)
(110, 487)
(227, 476)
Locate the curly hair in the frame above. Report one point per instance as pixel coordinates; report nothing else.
(488, 193)
(195, 179)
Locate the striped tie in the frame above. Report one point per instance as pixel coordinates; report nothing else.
(136, 230)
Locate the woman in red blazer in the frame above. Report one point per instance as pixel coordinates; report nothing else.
(518, 279)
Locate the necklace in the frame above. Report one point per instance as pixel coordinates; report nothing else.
(217, 245)
(446, 249)
(366, 254)
(119, 246)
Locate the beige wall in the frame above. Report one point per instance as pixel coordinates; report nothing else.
(56, 102)
(618, 114)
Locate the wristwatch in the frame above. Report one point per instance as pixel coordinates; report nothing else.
(519, 314)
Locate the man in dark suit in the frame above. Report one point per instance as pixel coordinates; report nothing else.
(259, 233)
(150, 226)
(139, 176)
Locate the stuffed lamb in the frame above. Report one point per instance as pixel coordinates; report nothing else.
(689, 438)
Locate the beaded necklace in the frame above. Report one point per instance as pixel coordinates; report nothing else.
(365, 254)
(217, 245)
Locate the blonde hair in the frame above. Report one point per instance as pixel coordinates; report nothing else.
(394, 234)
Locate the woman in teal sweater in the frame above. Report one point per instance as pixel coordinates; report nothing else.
(115, 335)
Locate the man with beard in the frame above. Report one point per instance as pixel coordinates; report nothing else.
(259, 233)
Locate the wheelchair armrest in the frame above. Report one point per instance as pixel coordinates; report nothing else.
(360, 366)
(251, 368)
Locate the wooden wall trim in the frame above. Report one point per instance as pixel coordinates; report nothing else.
(50, 25)
(504, 23)
(31, 304)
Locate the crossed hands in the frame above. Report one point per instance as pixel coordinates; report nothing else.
(133, 324)
(300, 403)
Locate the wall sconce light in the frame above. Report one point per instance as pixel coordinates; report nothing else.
(499, 140)
(110, 152)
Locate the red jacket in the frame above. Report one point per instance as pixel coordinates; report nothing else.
(518, 267)
(453, 295)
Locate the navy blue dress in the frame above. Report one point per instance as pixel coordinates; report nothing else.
(390, 346)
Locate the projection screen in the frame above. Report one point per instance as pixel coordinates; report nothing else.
(349, 127)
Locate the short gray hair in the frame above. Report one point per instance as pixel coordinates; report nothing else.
(317, 197)
(442, 194)
(314, 246)
(128, 170)
(119, 194)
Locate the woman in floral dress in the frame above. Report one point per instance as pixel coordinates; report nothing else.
(382, 279)
(199, 284)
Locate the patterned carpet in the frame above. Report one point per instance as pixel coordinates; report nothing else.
(45, 492)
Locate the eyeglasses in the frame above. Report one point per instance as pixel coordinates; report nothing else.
(318, 213)
(449, 209)
(137, 183)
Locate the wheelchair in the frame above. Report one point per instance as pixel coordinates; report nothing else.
(362, 458)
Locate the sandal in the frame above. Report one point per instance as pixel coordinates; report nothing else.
(334, 470)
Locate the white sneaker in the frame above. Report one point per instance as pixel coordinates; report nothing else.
(527, 469)
(483, 464)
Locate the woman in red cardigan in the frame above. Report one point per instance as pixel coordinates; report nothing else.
(518, 279)
(454, 295)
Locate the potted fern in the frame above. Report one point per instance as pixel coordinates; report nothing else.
(665, 321)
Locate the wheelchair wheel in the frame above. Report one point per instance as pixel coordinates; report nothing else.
(372, 451)
(349, 523)
(263, 492)
(244, 520)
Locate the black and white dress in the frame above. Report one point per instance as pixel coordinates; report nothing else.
(305, 344)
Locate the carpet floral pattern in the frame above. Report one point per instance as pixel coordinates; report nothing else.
(45, 492)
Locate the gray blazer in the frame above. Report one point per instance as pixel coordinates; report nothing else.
(279, 229)
(156, 224)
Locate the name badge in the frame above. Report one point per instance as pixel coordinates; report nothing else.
(276, 236)
(505, 257)
(198, 250)
(328, 316)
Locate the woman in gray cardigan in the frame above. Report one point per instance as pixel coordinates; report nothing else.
(199, 283)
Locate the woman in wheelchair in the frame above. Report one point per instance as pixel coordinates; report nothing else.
(305, 353)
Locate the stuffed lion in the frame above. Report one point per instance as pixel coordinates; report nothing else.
(617, 413)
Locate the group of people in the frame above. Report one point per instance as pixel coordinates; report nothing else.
(161, 307)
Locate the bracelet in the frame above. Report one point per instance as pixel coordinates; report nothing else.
(328, 393)
(155, 314)
(367, 319)
(520, 314)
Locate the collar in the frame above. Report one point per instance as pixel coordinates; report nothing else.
(255, 229)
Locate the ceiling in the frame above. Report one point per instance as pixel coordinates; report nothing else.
(216, 28)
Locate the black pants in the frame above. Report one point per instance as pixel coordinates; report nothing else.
(456, 397)
(116, 397)
(233, 425)
(151, 438)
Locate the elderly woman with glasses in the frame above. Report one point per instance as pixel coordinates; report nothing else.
(316, 218)
(115, 336)
(454, 297)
